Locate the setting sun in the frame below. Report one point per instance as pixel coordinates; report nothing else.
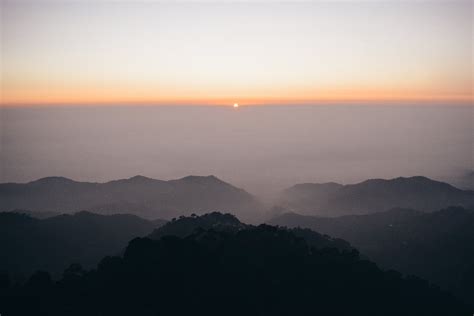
(236, 105)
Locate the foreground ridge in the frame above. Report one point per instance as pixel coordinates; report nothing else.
(254, 270)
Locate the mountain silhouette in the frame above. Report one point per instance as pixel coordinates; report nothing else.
(261, 270)
(51, 244)
(142, 196)
(437, 246)
(228, 223)
(376, 195)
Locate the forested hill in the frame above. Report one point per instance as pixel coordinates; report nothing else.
(228, 223)
(437, 246)
(260, 270)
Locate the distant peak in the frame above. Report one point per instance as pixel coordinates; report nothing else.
(414, 178)
(134, 180)
(419, 179)
(399, 181)
(52, 180)
(139, 178)
(201, 178)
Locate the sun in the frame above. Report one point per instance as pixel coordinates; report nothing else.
(236, 105)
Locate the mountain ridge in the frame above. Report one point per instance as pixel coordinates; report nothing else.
(258, 270)
(406, 240)
(139, 195)
(373, 195)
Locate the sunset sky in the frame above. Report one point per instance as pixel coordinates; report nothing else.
(145, 52)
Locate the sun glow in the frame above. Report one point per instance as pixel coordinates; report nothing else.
(399, 52)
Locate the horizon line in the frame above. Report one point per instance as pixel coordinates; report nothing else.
(410, 102)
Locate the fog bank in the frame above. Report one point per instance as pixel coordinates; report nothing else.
(261, 149)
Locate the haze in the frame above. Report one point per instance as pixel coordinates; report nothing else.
(261, 149)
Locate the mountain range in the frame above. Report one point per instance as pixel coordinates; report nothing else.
(245, 270)
(51, 244)
(375, 195)
(437, 246)
(228, 223)
(142, 196)
(151, 198)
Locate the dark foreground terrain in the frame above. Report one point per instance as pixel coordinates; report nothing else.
(226, 268)
(437, 246)
(28, 244)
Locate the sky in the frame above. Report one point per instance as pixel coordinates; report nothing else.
(151, 52)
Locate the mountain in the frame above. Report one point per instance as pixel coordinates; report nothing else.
(260, 270)
(142, 196)
(228, 223)
(376, 195)
(28, 244)
(437, 246)
(186, 226)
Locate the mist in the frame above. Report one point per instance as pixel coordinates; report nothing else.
(262, 149)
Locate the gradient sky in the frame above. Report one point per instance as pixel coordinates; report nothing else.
(90, 52)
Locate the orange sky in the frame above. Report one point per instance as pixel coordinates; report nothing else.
(267, 53)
